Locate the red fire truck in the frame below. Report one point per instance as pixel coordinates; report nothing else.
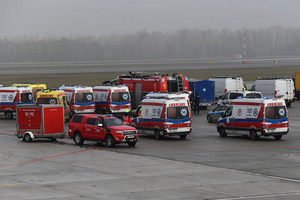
(141, 83)
(40, 121)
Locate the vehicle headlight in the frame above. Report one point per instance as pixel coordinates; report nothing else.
(119, 132)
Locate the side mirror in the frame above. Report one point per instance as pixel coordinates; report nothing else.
(223, 115)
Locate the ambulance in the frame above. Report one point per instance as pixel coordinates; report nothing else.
(35, 87)
(164, 116)
(54, 97)
(80, 98)
(255, 118)
(12, 96)
(112, 99)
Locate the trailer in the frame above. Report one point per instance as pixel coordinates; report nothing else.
(40, 121)
(205, 90)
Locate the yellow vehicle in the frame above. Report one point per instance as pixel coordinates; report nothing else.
(54, 96)
(35, 87)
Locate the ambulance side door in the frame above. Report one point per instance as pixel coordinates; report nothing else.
(229, 119)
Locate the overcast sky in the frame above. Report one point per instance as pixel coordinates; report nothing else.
(101, 17)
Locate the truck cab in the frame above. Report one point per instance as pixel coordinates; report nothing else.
(104, 128)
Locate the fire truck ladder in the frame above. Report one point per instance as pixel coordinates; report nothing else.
(180, 84)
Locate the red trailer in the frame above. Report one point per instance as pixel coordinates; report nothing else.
(40, 121)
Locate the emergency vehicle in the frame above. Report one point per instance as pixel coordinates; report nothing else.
(80, 98)
(35, 87)
(227, 83)
(164, 116)
(278, 87)
(112, 99)
(255, 117)
(40, 121)
(140, 84)
(12, 96)
(53, 97)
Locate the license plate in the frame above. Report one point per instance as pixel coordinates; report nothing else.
(130, 136)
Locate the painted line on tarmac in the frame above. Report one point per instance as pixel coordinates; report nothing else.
(65, 154)
(288, 147)
(7, 132)
(9, 184)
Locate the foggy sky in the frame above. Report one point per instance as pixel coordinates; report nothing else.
(102, 17)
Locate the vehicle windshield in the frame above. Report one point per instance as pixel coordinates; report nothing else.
(26, 97)
(119, 97)
(47, 101)
(276, 112)
(178, 112)
(253, 95)
(113, 122)
(84, 97)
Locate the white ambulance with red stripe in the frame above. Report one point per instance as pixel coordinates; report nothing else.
(12, 96)
(112, 99)
(80, 98)
(164, 116)
(255, 117)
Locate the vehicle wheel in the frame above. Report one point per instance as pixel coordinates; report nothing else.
(278, 137)
(78, 139)
(9, 115)
(222, 132)
(253, 135)
(157, 134)
(209, 119)
(131, 144)
(182, 137)
(288, 104)
(27, 138)
(110, 142)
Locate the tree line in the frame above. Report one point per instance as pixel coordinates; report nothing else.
(143, 45)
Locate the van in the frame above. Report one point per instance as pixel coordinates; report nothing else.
(12, 96)
(278, 87)
(255, 117)
(112, 99)
(231, 95)
(164, 116)
(54, 97)
(35, 87)
(227, 83)
(80, 98)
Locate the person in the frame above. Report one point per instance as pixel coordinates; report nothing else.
(245, 87)
(197, 102)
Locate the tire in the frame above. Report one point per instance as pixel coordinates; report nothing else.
(182, 137)
(278, 137)
(110, 142)
(222, 132)
(131, 144)
(157, 134)
(9, 115)
(27, 138)
(253, 135)
(288, 104)
(209, 119)
(78, 139)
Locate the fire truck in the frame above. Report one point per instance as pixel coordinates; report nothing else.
(80, 98)
(12, 96)
(54, 96)
(141, 83)
(112, 99)
(35, 87)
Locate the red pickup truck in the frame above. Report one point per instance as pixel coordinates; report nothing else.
(105, 128)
